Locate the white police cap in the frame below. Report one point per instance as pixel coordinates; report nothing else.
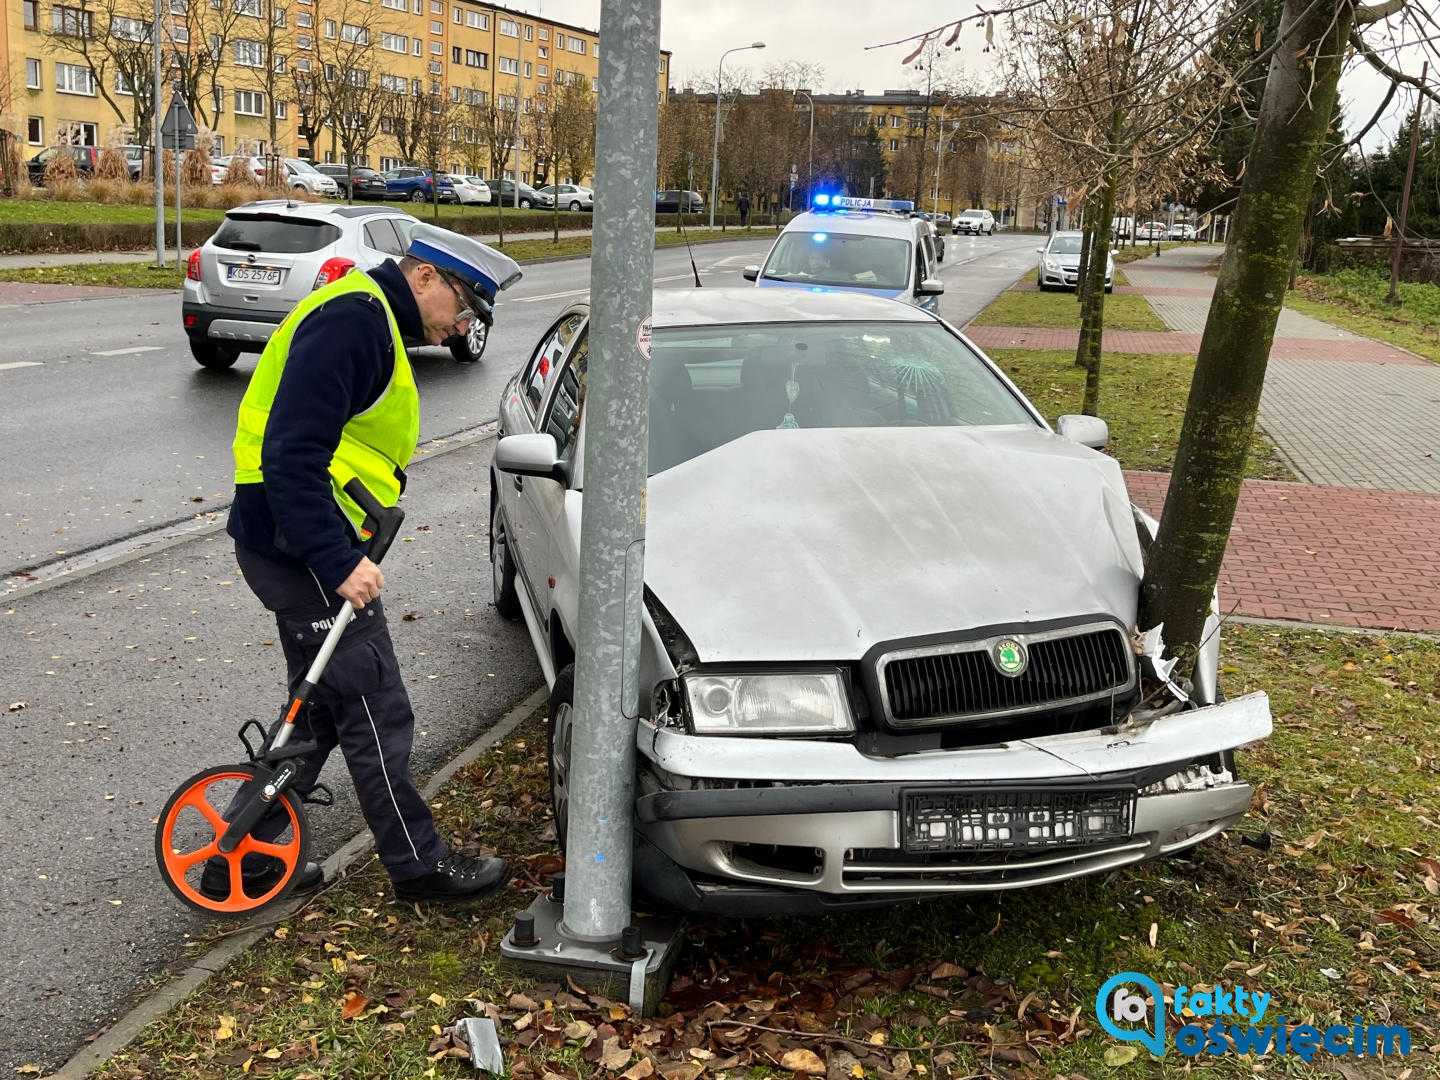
(480, 266)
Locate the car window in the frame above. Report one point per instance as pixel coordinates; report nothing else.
(817, 258)
(1065, 245)
(272, 232)
(922, 261)
(712, 385)
(546, 359)
(381, 236)
(562, 419)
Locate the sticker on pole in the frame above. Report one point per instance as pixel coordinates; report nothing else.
(642, 338)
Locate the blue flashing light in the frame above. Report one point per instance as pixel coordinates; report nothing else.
(822, 199)
(820, 237)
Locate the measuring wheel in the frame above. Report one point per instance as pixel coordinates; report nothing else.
(251, 875)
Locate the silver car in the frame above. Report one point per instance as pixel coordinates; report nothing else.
(266, 256)
(888, 644)
(570, 196)
(1060, 262)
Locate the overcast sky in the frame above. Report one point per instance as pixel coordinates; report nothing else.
(834, 33)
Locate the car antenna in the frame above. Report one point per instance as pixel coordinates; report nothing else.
(690, 251)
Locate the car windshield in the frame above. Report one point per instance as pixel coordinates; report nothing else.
(301, 166)
(1065, 245)
(475, 180)
(711, 385)
(817, 258)
(972, 214)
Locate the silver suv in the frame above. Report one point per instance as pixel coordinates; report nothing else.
(888, 646)
(265, 257)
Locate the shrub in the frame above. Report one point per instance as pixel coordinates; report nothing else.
(195, 169)
(240, 173)
(59, 169)
(112, 165)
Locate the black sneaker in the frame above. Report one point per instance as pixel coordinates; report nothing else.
(455, 879)
(259, 873)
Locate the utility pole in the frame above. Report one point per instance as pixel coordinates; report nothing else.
(157, 157)
(590, 932)
(810, 168)
(1393, 296)
(719, 95)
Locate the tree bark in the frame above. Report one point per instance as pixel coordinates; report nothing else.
(1092, 308)
(1085, 241)
(1299, 100)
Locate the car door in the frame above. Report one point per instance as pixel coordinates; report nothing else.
(521, 411)
(924, 268)
(560, 419)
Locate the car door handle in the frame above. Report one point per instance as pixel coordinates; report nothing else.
(519, 482)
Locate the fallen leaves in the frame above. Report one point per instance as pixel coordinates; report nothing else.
(803, 1061)
(352, 1005)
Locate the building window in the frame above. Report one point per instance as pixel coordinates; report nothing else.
(393, 5)
(457, 16)
(32, 74)
(595, 84)
(437, 48)
(417, 47)
(282, 110)
(543, 71)
(70, 21)
(219, 147)
(305, 19)
(475, 97)
(280, 64)
(417, 6)
(476, 59)
(330, 28)
(559, 40)
(122, 84)
(895, 121)
(577, 45)
(509, 65)
(249, 103)
(477, 20)
(435, 67)
(544, 34)
(302, 64)
(415, 87)
(129, 29)
(278, 17)
(180, 35)
(455, 94)
(35, 131)
(529, 32)
(32, 19)
(304, 41)
(509, 27)
(248, 7)
(437, 7)
(544, 51)
(217, 100)
(388, 163)
(543, 88)
(395, 43)
(74, 79)
(528, 69)
(249, 54)
(356, 35)
(396, 84)
(455, 54)
(894, 144)
(436, 26)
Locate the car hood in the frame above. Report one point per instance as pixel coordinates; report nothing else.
(818, 544)
(868, 290)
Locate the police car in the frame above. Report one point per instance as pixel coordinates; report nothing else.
(852, 244)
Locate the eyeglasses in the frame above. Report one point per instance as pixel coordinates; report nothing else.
(467, 313)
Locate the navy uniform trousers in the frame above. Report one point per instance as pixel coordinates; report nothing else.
(360, 705)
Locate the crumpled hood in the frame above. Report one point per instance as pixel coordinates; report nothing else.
(816, 544)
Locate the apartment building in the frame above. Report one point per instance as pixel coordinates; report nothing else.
(73, 64)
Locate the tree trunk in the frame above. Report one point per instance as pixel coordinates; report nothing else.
(1086, 240)
(1300, 89)
(1092, 327)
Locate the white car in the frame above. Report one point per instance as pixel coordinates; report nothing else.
(1180, 231)
(975, 223)
(1151, 230)
(469, 189)
(1060, 262)
(220, 168)
(300, 175)
(570, 196)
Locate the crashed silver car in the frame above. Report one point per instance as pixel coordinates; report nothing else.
(889, 642)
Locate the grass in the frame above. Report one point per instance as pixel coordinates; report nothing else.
(1142, 398)
(139, 275)
(64, 212)
(1355, 299)
(1330, 908)
(1143, 250)
(1025, 307)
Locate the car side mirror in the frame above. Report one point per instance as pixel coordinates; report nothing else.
(531, 455)
(1040, 251)
(1088, 431)
(930, 287)
(750, 273)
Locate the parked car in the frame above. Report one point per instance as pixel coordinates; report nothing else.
(822, 722)
(134, 159)
(84, 157)
(942, 221)
(1150, 230)
(673, 201)
(220, 168)
(570, 196)
(1060, 262)
(934, 237)
(300, 175)
(368, 184)
(1180, 231)
(975, 223)
(469, 189)
(417, 185)
(266, 256)
(521, 195)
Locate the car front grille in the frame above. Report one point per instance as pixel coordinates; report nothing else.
(961, 681)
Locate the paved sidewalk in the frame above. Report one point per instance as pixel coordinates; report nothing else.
(1182, 343)
(1338, 555)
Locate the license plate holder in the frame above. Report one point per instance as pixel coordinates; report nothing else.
(253, 275)
(993, 818)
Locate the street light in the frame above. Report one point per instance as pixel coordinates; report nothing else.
(719, 91)
(939, 142)
(810, 168)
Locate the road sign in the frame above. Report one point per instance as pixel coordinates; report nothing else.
(179, 130)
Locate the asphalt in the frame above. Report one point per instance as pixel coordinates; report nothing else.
(134, 677)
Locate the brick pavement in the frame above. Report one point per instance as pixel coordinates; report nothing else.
(1325, 554)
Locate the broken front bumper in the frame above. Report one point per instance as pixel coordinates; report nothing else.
(826, 818)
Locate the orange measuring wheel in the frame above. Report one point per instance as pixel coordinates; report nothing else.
(188, 837)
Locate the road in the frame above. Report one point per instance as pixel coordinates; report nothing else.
(131, 676)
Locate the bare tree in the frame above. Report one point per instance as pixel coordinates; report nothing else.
(497, 118)
(684, 139)
(575, 130)
(262, 60)
(356, 97)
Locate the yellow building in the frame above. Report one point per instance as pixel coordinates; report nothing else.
(72, 64)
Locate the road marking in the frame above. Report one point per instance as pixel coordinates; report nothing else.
(20, 364)
(132, 349)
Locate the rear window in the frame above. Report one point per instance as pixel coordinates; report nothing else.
(270, 232)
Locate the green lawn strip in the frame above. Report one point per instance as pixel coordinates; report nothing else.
(1355, 300)
(1334, 916)
(63, 212)
(1144, 250)
(1142, 398)
(139, 275)
(1028, 307)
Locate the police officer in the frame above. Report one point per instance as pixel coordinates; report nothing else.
(332, 398)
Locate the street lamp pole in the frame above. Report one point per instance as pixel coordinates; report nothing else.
(810, 168)
(939, 142)
(719, 93)
(157, 157)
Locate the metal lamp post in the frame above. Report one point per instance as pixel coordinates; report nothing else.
(719, 93)
(939, 142)
(810, 167)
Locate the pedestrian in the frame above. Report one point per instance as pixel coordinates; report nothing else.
(334, 397)
(743, 205)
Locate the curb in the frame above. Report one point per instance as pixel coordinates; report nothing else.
(120, 1034)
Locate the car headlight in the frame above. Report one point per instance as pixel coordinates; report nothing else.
(795, 703)
(1051, 264)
